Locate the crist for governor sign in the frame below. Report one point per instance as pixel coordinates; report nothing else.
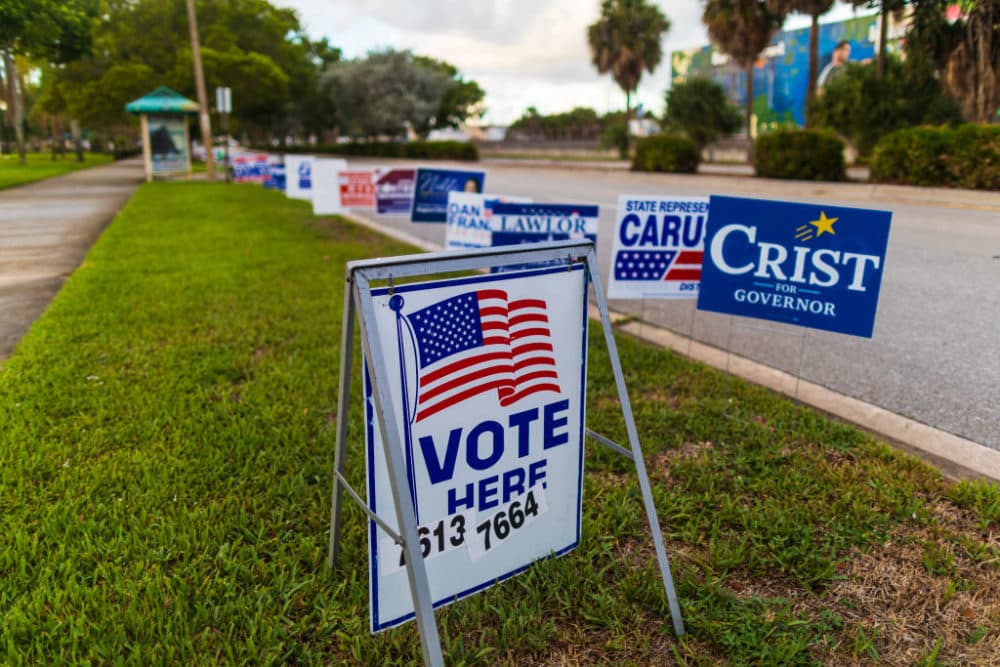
(813, 266)
(487, 375)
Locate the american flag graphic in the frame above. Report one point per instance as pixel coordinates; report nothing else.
(658, 265)
(481, 342)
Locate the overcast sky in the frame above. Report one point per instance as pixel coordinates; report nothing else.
(522, 52)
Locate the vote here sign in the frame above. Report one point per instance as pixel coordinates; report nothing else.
(487, 377)
(814, 266)
(657, 248)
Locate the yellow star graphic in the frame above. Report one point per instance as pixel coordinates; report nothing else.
(824, 224)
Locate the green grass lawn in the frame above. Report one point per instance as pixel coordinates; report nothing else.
(41, 165)
(165, 469)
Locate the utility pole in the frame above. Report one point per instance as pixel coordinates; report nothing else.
(199, 82)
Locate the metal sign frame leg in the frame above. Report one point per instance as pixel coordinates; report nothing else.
(385, 414)
(343, 407)
(633, 437)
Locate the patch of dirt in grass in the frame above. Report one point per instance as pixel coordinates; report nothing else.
(918, 589)
(660, 463)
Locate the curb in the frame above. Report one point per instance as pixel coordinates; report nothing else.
(956, 457)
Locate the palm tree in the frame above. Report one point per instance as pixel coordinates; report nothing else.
(742, 29)
(815, 9)
(884, 7)
(625, 40)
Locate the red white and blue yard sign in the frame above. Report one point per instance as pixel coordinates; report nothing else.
(487, 375)
(658, 247)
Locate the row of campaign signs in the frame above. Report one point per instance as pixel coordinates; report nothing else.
(802, 264)
(487, 373)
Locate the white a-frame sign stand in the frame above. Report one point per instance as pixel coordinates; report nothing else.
(475, 392)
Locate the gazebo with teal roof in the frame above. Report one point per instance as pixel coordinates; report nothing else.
(165, 150)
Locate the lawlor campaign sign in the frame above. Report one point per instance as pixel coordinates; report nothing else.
(515, 224)
(657, 249)
(468, 222)
(814, 266)
(487, 375)
(430, 194)
(298, 176)
(325, 190)
(394, 191)
(357, 188)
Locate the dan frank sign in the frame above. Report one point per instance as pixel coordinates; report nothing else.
(813, 266)
(487, 375)
(657, 248)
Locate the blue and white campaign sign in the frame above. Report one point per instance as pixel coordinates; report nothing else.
(487, 377)
(430, 193)
(814, 266)
(468, 223)
(325, 190)
(298, 176)
(516, 224)
(275, 176)
(657, 249)
(394, 191)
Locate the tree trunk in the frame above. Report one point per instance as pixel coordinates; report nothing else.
(628, 115)
(17, 109)
(199, 80)
(749, 110)
(813, 64)
(74, 126)
(883, 39)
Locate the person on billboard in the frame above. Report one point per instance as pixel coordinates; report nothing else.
(841, 54)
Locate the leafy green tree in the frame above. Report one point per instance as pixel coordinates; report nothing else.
(624, 41)
(53, 31)
(461, 101)
(814, 9)
(386, 93)
(700, 109)
(742, 29)
(863, 106)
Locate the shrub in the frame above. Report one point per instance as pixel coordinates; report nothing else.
(864, 107)
(666, 152)
(809, 155)
(700, 109)
(967, 156)
(415, 150)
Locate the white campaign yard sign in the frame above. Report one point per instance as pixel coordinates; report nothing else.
(298, 176)
(468, 222)
(658, 247)
(487, 375)
(326, 185)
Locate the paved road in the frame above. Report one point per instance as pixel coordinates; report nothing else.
(935, 355)
(46, 229)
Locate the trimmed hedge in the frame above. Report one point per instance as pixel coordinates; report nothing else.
(967, 156)
(666, 152)
(808, 155)
(418, 150)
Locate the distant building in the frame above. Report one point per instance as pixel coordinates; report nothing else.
(780, 75)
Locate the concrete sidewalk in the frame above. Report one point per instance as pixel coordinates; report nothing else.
(46, 228)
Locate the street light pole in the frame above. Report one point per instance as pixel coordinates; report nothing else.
(199, 81)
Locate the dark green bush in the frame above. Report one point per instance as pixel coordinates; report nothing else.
(967, 157)
(808, 155)
(415, 150)
(864, 107)
(666, 152)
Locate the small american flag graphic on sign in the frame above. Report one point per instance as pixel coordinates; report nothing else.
(481, 342)
(658, 265)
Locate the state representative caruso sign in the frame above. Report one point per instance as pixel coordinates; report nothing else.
(814, 266)
(487, 378)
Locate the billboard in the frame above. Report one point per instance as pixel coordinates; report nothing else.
(780, 75)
